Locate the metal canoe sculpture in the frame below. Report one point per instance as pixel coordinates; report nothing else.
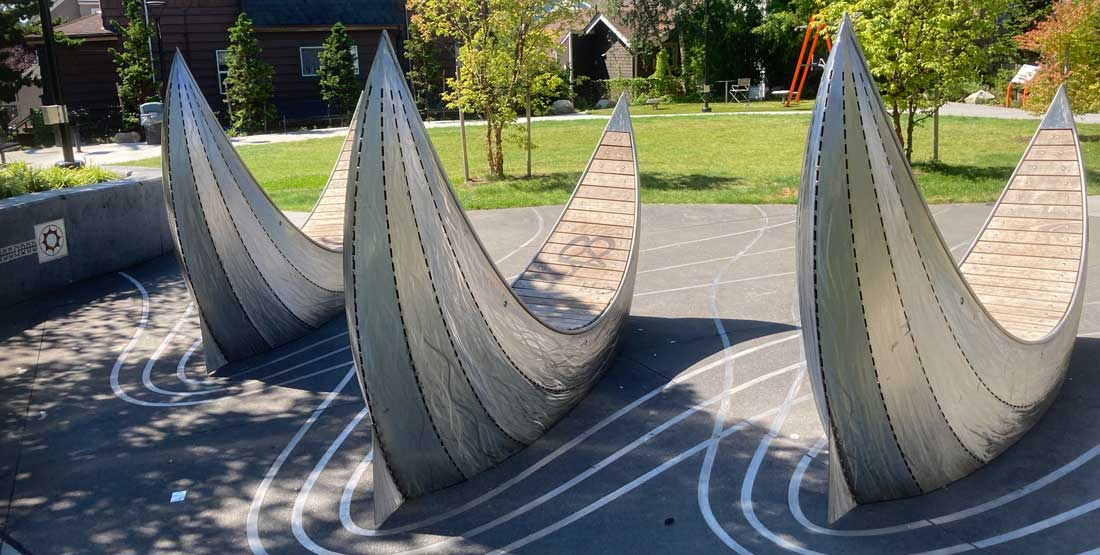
(461, 369)
(924, 371)
(256, 279)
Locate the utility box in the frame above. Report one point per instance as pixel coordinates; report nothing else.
(55, 114)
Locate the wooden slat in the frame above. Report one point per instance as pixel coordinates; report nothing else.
(1053, 306)
(589, 283)
(568, 258)
(1065, 198)
(1040, 211)
(1073, 254)
(615, 138)
(1062, 264)
(609, 180)
(1055, 137)
(1050, 168)
(609, 152)
(613, 167)
(1020, 283)
(1036, 224)
(593, 297)
(1027, 314)
(606, 193)
(613, 206)
(1053, 296)
(589, 217)
(599, 273)
(596, 245)
(1032, 237)
(563, 311)
(1045, 183)
(529, 296)
(560, 252)
(1060, 153)
(1025, 273)
(622, 232)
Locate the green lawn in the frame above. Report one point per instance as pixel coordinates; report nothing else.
(743, 159)
(718, 107)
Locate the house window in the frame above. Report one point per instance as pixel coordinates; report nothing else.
(223, 69)
(311, 59)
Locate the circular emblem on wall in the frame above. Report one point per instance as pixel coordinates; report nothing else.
(52, 240)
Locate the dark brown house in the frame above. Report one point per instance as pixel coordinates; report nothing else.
(290, 32)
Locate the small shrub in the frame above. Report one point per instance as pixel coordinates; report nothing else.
(20, 178)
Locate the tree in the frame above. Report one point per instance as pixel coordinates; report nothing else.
(426, 74)
(507, 48)
(1068, 45)
(339, 84)
(732, 49)
(778, 38)
(15, 57)
(135, 69)
(248, 80)
(919, 48)
(649, 20)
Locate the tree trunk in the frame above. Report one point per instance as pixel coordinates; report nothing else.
(499, 161)
(895, 114)
(910, 124)
(490, 157)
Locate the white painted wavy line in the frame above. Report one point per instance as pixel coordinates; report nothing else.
(525, 243)
(715, 237)
(255, 543)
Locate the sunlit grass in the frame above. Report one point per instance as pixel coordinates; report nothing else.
(714, 160)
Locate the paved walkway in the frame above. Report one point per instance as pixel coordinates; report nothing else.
(114, 154)
(115, 434)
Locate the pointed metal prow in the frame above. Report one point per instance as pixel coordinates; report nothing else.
(1059, 115)
(620, 117)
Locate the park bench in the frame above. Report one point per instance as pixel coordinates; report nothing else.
(655, 102)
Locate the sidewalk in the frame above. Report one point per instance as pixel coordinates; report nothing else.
(112, 154)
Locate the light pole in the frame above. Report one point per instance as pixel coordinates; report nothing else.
(52, 82)
(158, 10)
(706, 56)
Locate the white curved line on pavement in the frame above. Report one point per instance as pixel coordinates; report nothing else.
(525, 243)
(715, 237)
(727, 282)
(711, 261)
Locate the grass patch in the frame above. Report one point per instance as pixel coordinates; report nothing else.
(718, 107)
(713, 160)
(20, 178)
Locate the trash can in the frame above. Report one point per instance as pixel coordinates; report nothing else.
(152, 115)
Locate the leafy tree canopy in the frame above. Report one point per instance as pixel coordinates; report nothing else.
(917, 49)
(16, 22)
(1068, 47)
(506, 50)
(135, 69)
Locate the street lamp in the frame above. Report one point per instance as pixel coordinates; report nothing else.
(158, 7)
(706, 56)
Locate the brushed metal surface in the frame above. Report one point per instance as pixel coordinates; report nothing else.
(256, 280)
(916, 381)
(457, 371)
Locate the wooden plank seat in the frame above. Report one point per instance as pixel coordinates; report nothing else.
(1025, 263)
(325, 223)
(577, 272)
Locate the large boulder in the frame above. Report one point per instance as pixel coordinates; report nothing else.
(980, 97)
(605, 103)
(127, 137)
(562, 107)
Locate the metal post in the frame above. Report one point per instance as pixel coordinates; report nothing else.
(52, 83)
(528, 131)
(936, 129)
(706, 56)
(461, 117)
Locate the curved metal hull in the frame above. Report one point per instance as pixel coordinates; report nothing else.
(458, 371)
(924, 371)
(256, 280)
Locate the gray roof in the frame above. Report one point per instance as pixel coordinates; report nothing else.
(324, 12)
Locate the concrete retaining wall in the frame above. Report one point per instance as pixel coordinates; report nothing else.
(52, 239)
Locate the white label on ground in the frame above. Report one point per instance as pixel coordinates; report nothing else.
(53, 243)
(178, 496)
